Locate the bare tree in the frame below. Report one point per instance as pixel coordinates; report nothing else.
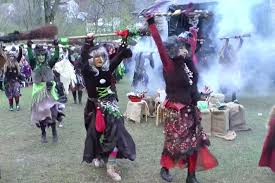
(108, 12)
(50, 8)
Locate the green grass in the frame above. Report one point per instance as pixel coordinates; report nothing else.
(24, 159)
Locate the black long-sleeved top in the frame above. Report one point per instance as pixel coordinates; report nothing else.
(92, 81)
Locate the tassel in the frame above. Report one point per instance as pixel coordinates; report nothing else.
(100, 122)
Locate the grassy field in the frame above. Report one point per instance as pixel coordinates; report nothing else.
(24, 159)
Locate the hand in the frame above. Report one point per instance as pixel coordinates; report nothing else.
(148, 15)
(55, 42)
(29, 43)
(90, 38)
(21, 46)
(226, 40)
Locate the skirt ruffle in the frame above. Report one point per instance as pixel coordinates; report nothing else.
(45, 105)
(184, 136)
(100, 145)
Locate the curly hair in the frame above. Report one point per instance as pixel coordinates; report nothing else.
(99, 52)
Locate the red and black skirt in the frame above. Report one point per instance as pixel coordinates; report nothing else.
(183, 137)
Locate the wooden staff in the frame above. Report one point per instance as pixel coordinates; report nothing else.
(237, 37)
(178, 12)
(203, 13)
(175, 13)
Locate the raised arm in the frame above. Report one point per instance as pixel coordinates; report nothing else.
(85, 53)
(167, 64)
(225, 46)
(31, 58)
(240, 45)
(19, 57)
(123, 53)
(55, 57)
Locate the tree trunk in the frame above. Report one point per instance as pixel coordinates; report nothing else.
(50, 10)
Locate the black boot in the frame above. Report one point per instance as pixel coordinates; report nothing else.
(74, 95)
(191, 178)
(165, 175)
(80, 96)
(43, 133)
(55, 138)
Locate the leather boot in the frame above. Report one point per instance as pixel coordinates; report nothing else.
(165, 175)
(191, 178)
(80, 96)
(54, 132)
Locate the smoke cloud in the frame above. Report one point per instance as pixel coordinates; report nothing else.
(253, 62)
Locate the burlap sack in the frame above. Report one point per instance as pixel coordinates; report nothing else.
(136, 110)
(237, 120)
(160, 114)
(215, 99)
(206, 121)
(151, 102)
(220, 121)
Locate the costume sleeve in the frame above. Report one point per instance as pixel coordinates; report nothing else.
(31, 58)
(84, 64)
(123, 53)
(167, 63)
(20, 54)
(55, 57)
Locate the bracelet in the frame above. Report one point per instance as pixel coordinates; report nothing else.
(123, 44)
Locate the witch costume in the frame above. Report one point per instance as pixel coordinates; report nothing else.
(12, 76)
(46, 110)
(107, 138)
(76, 86)
(185, 143)
(267, 158)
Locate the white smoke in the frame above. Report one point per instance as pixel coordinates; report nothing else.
(254, 60)
(146, 45)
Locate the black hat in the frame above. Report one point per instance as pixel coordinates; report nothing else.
(39, 49)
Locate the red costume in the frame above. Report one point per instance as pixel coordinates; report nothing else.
(185, 142)
(268, 153)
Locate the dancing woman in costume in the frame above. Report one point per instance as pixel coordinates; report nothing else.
(107, 138)
(12, 77)
(185, 143)
(46, 110)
